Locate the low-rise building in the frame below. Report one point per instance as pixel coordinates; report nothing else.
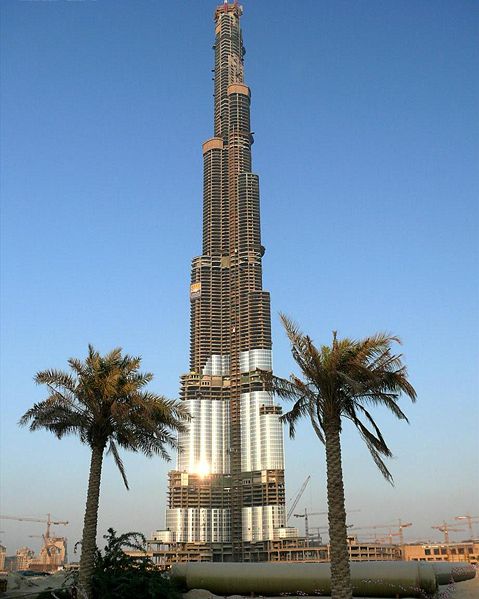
(285, 547)
(466, 551)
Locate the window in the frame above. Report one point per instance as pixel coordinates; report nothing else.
(436, 551)
(427, 552)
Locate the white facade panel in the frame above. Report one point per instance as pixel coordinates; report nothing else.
(261, 434)
(260, 523)
(198, 525)
(205, 443)
(217, 365)
(254, 359)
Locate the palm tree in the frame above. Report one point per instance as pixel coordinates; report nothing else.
(339, 382)
(104, 402)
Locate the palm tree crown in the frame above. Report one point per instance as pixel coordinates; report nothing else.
(342, 381)
(105, 403)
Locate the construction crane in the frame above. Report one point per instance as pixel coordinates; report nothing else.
(307, 514)
(297, 498)
(319, 530)
(470, 519)
(445, 528)
(48, 522)
(400, 531)
(401, 525)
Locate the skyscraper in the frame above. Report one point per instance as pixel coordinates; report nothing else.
(228, 489)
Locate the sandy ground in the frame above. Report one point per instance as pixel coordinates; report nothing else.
(469, 589)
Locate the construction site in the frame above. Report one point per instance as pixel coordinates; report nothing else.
(376, 542)
(52, 556)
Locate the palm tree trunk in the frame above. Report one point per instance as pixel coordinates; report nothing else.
(339, 554)
(90, 522)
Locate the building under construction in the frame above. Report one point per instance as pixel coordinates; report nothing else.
(53, 553)
(226, 498)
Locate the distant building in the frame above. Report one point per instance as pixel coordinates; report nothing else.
(10, 563)
(3, 553)
(467, 551)
(53, 555)
(24, 557)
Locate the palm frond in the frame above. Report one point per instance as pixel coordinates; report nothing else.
(299, 409)
(118, 461)
(105, 402)
(341, 380)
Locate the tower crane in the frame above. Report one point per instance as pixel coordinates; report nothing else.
(297, 498)
(319, 530)
(399, 533)
(307, 514)
(48, 522)
(470, 519)
(445, 528)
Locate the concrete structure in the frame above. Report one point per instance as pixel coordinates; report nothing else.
(24, 557)
(53, 555)
(164, 551)
(3, 553)
(227, 496)
(466, 551)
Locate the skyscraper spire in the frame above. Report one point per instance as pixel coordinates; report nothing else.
(228, 489)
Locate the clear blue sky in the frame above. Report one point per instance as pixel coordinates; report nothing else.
(366, 126)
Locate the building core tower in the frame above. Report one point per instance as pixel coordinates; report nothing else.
(228, 489)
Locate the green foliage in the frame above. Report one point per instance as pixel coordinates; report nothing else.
(343, 381)
(120, 576)
(104, 402)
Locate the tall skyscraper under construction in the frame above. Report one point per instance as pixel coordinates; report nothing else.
(228, 490)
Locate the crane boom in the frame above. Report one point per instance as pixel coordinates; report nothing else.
(48, 521)
(297, 498)
(25, 519)
(445, 528)
(470, 519)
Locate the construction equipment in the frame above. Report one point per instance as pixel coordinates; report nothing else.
(51, 545)
(445, 528)
(399, 532)
(307, 514)
(297, 498)
(319, 530)
(470, 519)
(306, 519)
(48, 521)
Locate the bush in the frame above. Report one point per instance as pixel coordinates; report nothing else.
(120, 576)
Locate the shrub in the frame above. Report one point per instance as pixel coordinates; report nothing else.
(121, 576)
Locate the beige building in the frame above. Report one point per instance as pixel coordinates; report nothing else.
(25, 555)
(3, 552)
(164, 552)
(467, 551)
(53, 555)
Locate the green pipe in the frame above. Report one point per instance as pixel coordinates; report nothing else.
(369, 579)
(447, 572)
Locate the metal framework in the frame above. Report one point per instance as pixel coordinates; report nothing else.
(228, 488)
